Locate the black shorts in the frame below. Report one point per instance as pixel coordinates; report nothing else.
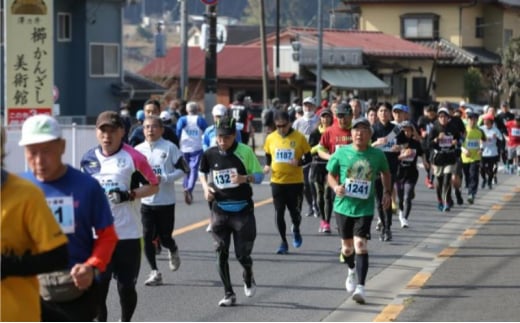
(350, 226)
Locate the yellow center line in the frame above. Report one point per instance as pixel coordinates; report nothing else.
(200, 224)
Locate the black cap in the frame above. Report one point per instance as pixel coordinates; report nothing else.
(109, 118)
(344, 108)
(325, 111)
(226, 126)
(361, 122)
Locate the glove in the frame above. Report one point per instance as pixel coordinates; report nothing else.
(117, 196)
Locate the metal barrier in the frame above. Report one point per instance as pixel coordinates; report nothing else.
(79, 139)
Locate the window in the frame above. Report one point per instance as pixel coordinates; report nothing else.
(420, 26)
(64, 26)
(104, 60)
(508, 35)
(479, 27)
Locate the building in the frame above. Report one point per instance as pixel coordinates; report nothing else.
(473, 32)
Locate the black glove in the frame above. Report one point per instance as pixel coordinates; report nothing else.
(117, 196)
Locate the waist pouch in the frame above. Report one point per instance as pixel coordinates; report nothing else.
(443, 158)
(58, 286)
(232, 206)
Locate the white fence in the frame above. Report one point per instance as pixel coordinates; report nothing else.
(79, 139)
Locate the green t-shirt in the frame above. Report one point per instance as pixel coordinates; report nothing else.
(357, 171)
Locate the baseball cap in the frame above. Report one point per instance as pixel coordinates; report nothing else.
(309, 100)
(325, 103)
(361, 122)
(325, 111)
(443, 110)
(400, 107)
(38, 129)
(472, 114)
(165, 116)
(344, 108)
(226, 126)
(109, 118)
(462, 103)
(219, 110)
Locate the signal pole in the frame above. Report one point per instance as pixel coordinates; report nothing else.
(210, 95)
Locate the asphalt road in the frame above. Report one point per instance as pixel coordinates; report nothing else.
(308, 284)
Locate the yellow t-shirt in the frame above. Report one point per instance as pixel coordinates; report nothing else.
(472, 144)
(27, 225)
(282, 150)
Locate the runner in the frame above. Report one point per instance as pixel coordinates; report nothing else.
(158, 210)
(425, 125)
(471, 155)
(232, 166)
(335, 137)
(513, 144)
(407, 173)
(490, 150)
(318, 173)
(353, 171)
(27, 224)
(286, 151)
(444, 142)
(114, 164)
(387, 137)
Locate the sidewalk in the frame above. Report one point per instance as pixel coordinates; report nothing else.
(480, 278)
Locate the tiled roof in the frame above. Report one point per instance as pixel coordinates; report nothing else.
(463, 56)
(373, 43)
(233, 62)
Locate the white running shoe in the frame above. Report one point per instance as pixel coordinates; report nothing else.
(154, 279)
(228, 300)
(351, 281)
(209, 229)
(251, 290)
(175, 260)
(403, 220)
(359, 294)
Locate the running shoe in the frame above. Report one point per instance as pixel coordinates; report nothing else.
(379, 225)
(446, 208)
(351, 281)
(209, 229)
(188, 198)
(283, 249)
(297, 239)
(459, 198)
(322, 226)
(403, 220)
(154, 279)
(471, 199)
(359, 294)
(228, 300)
(175, 260)
(249, 285)
(388, 235)
(440, 207)
(326, 228)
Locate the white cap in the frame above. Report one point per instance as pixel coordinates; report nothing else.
(443, 110)
(310, 100)
(38, 129)
(462, 103)
(165, 116)
(485, 108)
(219, 110)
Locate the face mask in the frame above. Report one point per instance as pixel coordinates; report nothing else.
(308, 114)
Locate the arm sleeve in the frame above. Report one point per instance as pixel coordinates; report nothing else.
(103, 248)
(28, 264)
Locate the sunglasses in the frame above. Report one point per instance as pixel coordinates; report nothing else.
(281, 125)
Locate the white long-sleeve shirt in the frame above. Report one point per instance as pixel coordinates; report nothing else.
(490, 147)
(162, 155)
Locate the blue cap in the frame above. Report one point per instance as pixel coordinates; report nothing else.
(139, 115)
(400, 107)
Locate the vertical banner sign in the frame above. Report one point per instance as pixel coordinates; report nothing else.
(29, 53)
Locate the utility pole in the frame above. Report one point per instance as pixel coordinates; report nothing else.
(265, 66)
(210, 95)
(319, 59)
(182, 91)
(277, 68)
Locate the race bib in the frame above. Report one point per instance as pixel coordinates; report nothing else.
(357, 188)
(222, 178)
(411, 157)
(473, 144)
(157, 169)
(193, 132)
(446, 142)
(388, 146)
(63, 210)
(283, 155)
(515, 132)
